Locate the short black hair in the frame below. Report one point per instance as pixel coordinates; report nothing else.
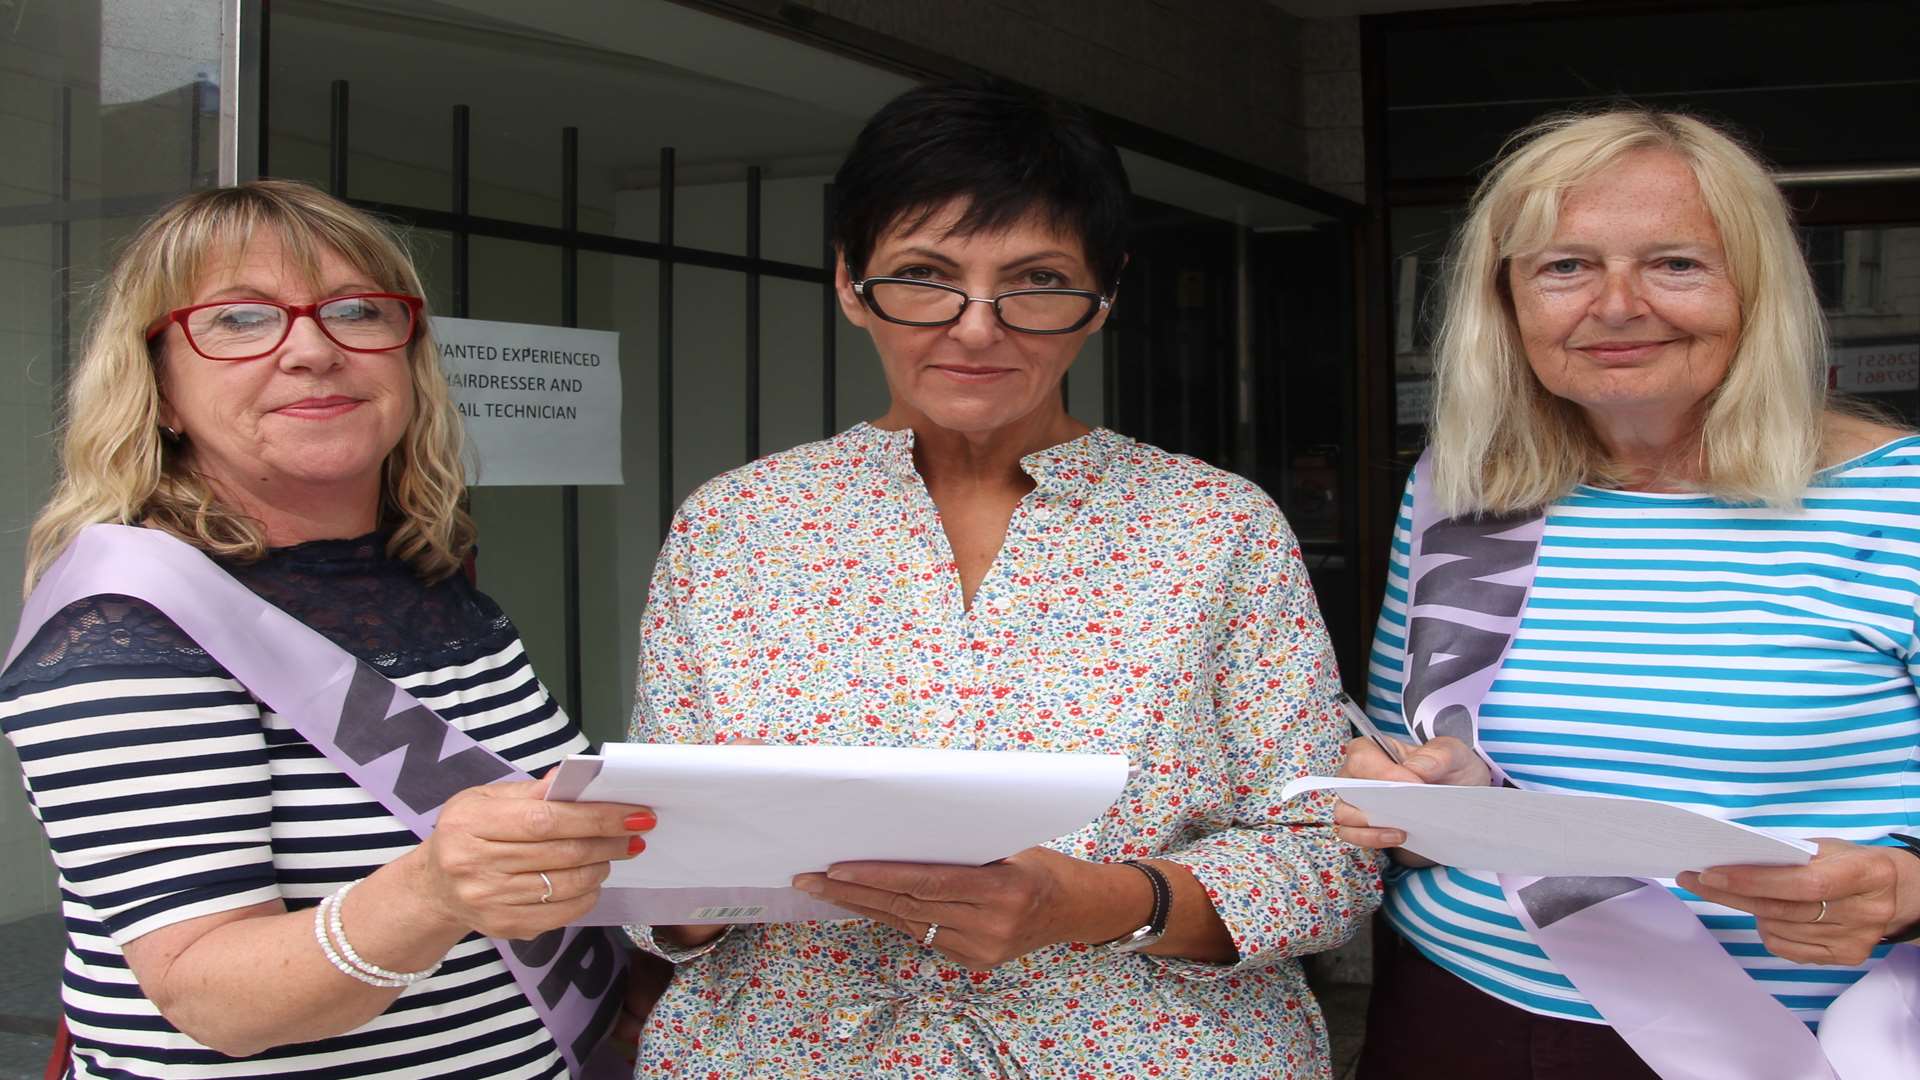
(1009, 152)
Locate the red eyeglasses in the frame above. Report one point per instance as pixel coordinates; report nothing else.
(249, 329)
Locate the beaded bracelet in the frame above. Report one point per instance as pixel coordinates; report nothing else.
(404, 978)
(327, 917)
(333, 954)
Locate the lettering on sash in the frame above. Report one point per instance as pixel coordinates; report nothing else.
(1551, 899)
(1443, 649)
(426, 780)
(1462, 650)
(539, 951)
(588, 965)
(1481, 553)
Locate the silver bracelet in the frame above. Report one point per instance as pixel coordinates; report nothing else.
(333, 954)
(404, 978)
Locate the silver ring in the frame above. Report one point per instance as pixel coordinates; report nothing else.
(548, 882)
(932, 930)
(1823, 913)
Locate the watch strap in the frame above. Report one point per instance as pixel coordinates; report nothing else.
(1156, 925)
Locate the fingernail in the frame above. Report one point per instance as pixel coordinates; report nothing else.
(808, 883)
(641, 821)
(1713, 879)
(636, 845)
(1394, 837)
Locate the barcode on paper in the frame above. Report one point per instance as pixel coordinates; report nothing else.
(727, 912)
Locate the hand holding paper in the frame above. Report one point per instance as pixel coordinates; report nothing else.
(1545, 834)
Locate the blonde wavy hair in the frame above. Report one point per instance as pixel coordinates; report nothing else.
(1501, 443)
(116, 467)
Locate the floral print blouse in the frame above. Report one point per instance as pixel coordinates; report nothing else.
(1143, 603)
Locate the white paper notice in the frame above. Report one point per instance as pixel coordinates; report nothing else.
(738, 822)
(541, 404)
(1547, 834)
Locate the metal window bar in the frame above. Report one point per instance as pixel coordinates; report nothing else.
(337, 142)
(193, 131)
(462, 225)
(829, 321)
(570, 493)
(753, 315)
(459, 295)
(663, 408)
(63, 260)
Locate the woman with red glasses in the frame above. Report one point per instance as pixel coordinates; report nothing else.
(259, 383)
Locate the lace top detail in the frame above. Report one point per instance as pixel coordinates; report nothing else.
(353, 592)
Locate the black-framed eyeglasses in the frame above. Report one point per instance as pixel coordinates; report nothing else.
(250, 329)
(912, 302)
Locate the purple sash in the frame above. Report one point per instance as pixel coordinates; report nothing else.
(358, 719)
(1632, 948)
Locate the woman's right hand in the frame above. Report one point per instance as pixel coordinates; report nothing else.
(1445, 760)
(481, 866)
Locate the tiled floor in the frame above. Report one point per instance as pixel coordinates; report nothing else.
(30, 981)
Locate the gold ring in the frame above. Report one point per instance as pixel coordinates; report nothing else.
(1823, 912)
(548, 882)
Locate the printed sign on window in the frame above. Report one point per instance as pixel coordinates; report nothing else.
(1875, 369)
(541, 404)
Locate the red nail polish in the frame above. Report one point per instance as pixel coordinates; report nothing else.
(641, 821)
(636, 845)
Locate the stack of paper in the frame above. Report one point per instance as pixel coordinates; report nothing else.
(738, 822)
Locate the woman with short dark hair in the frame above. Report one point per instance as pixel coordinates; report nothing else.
(977, 569)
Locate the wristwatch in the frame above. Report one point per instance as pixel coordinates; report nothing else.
(1156, 927)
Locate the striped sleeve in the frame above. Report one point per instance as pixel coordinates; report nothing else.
(153, 787)
(1386, 664)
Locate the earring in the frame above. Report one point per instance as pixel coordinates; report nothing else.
(171, 434)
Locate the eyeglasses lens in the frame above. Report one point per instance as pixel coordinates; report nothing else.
(367, 322)
(236, 329)
(916, 303)
(1045, 311)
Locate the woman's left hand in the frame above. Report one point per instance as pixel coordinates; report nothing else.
(987, 915)
(1833, 910)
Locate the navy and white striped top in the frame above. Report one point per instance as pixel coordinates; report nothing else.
(167, 792)
(1754, 664)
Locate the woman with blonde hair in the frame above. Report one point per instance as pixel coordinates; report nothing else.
(1646, 555)
(206, 708)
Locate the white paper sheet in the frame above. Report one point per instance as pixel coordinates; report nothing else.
(1547, 834)
(738, 822)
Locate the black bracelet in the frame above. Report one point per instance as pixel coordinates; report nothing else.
(1911, 845)
(1162, 895)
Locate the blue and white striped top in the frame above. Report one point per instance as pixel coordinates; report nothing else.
(1754, 664)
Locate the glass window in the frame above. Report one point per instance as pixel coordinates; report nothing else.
(108, 109)
(636, 77)
(1869, 281)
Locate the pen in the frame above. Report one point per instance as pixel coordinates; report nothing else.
(1357, 716)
